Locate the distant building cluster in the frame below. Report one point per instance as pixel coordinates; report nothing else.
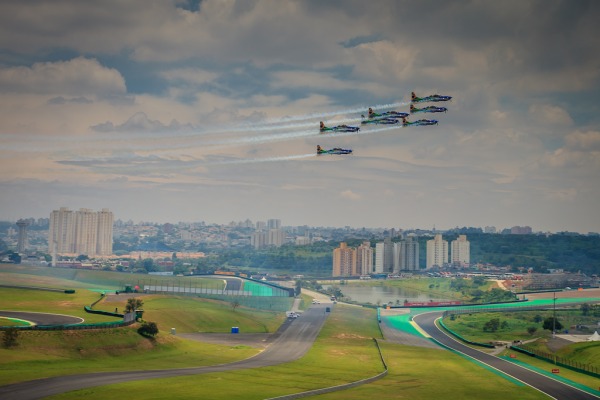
(80, 232)
(267, 235)
(437, 252)
(386, 258)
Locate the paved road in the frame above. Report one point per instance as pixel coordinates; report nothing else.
(289, 344)
(551, 387)
(42, 318)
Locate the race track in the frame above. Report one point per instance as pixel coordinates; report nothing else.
(42, 318)
(551, 387)
(290, 343)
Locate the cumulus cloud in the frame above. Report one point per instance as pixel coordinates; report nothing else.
(77, 77)
(139, 122)
(584, 141)
(549, 114)
(351, 195)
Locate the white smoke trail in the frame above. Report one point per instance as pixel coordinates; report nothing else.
(267, 159)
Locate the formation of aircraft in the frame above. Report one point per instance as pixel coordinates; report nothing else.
(335, 150)
(388, 118)
(428, 109)
(433, 97)
(338, 128)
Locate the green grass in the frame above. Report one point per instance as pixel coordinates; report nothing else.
(344, 352)
(67, 278)
(52, 302)
(45, 354)
(470, 326)
(193, 314)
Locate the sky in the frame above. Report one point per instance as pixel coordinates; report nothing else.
(170, 111)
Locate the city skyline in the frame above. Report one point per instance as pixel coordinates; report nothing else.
(209, 111)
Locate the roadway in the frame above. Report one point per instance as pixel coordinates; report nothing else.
(544, 384)
(38, 318)
(291, 342)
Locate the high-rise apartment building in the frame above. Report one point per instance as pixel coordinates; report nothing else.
(81, 232)
(384, 256)
(406, 255)
(258, 239)
(104, 246)
(460, 251)
(274, 224)
(275, 237)
(344, 261)
(437, 252)
(22, 238)
(364, 259)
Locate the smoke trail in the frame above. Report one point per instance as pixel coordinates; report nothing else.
(268, 159)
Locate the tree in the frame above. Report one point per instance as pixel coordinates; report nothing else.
(531, 330)
(551, 324)
(148, 329)
(492, 325)
(133, 304)
(585, 309)
(235, 304)
(9, 339)
(538, 318)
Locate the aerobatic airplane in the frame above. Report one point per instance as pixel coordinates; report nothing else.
(338, 128)
(421, 122)
(335, 150)
(382, 121)
(433, 97)
(387, 114)
(428, 109)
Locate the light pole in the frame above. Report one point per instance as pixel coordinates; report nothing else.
(554, 318)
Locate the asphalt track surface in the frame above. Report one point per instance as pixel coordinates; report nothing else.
(42, 318)
(291, 342)
(549, 386)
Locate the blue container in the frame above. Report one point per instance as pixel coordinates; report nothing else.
(235, 329)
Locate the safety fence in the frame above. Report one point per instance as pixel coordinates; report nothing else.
(561, 361)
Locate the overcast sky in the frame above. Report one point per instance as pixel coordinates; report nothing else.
(171, 111)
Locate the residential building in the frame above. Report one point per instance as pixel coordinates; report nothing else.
(384, 257)
(344, 261)
(22, 238)
(408, 255)
(364, 259)
(460, 251)
(81, 232)
(437, 252)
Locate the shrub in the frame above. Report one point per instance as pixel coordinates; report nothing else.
(9, 339)
(148, 329)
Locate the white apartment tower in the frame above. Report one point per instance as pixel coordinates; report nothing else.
(105, 232)
(460, 250)
(437, 252)
(274, 224)
(407, 255)
(81, 232)
(364, 259)
(384, 257)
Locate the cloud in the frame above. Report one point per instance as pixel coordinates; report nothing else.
(77, 77)
(139, 122)
(63, 100)
(583, 141)
(349, 194)
(550, 115)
